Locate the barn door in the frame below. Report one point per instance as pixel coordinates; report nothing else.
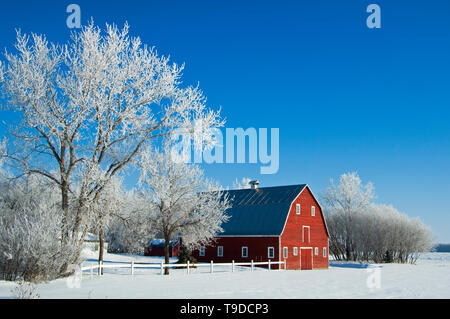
(306, 259)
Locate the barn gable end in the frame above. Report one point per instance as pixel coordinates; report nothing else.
(305, 236)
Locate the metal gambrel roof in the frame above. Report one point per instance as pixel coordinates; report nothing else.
(260, 211)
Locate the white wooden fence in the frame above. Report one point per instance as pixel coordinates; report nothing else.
(132, 265)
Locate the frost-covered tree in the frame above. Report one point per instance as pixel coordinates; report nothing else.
(128, 229)
(88, 108)
(348, 197)
(180, 200)
(112, 203)
(363, 231)
(131, 232)
(31, 248)
(386, 235)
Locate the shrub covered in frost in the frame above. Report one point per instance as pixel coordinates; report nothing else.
(31, 248)
(363, 231)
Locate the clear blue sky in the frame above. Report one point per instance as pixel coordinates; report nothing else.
(345, 97)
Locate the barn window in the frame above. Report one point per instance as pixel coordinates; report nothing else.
(295, 251)
(270, 252)
(285, 252)
(316, 251)
(220, 251)
(201, 251)
(244, 252)
(297, 209)
(313, 211)
(324, 252)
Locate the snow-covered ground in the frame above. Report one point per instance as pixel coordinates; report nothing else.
(429, 278)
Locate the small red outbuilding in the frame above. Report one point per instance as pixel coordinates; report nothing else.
(156, 248)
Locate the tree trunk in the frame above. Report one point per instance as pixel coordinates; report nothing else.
(348, 251)
(102, 245)
(65, 209)
(166, 253)
(65, 224)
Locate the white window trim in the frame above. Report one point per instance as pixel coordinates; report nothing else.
(220, 249)
(313, 211)
(316, 251)
(268, 252)
(201, 251)
(285, 252)
(242, 251)
(295, 251)
(298, 209)
(324, 252)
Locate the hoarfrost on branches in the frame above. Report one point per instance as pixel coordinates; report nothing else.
(31, 248)
(348, 198)
(361, 230)
(128, 230)
(25, 290)
(89, 107)
(180, 200)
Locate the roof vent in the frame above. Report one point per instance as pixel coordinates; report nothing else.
(254, 184)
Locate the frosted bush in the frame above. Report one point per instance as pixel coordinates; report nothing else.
(31, 248)
(379, 234)
(363, 231)
(25, 290)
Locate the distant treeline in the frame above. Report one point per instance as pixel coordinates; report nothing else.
(442, 248)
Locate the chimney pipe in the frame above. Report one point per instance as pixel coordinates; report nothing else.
(254, 184)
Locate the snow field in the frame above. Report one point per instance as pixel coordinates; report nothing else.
(429, 278)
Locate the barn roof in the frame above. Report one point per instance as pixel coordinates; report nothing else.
(260, 211)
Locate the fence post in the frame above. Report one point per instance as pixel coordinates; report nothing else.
(161, 272)
(188, 267)
(132, 267)
(100, 268)
(212, 266)
(232, 266)
(252, 265)
(269, 264)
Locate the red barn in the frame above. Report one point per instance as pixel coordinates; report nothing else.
(276, 223)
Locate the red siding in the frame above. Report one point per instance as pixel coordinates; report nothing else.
(257, 249)
(292, 233)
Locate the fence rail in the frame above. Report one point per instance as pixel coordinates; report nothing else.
(161, 266)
